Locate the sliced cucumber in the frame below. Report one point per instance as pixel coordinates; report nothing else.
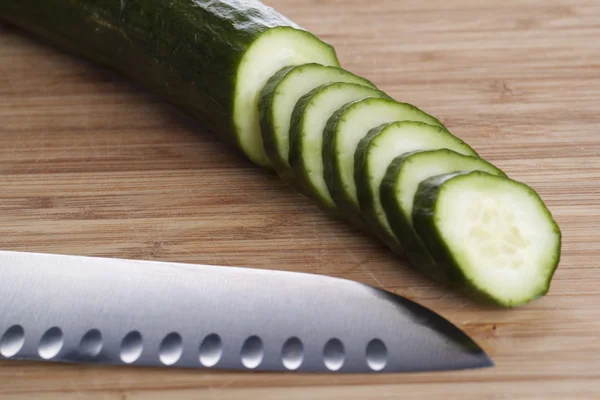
(493, 236)
(398, 190)
(209, 58)
(343, 133)
(378, 149)
(278, 99)
(306, 134)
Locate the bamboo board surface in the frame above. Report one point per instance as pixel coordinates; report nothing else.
(91, 164)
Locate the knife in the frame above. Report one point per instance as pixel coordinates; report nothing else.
(93, 310)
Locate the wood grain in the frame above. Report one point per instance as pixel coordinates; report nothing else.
(92, 164)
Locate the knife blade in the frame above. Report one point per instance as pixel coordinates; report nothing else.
(66, 308)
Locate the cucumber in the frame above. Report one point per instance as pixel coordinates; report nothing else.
(397, 192)
(378, 149)
(278, 99)
(344, 131)
(306, 135)
(493, 236)
(209, 58)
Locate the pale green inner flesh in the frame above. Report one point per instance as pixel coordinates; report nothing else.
(275, 49)
(499, 233)
(356, 122)
(316, 114)
(296, 84)
(395, 140)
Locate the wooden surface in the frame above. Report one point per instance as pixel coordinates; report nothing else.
(92, 164)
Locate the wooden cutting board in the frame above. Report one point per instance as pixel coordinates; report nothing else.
(91, 164)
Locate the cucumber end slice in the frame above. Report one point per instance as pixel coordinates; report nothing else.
(275, 49)
(494, 235)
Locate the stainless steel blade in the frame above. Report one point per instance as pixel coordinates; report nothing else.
(128, 312)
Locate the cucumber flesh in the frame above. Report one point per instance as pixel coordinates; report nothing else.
(274, 50)
(306, 134)
(378, 149)
(344, 131)
(278, 99)
(398, 189)
(493, 236)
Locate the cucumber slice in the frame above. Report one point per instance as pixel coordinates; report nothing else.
(378, 149)
(306, 134)
(278, 99)
(493, 236)
(209, 58)
(398, 188)
(275, 49)
(343, 133)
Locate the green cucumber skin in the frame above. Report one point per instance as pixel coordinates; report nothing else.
(367, 212)
(187, 51)
(296, 159)
(269, 140)
(423, 214)
(410, 245)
